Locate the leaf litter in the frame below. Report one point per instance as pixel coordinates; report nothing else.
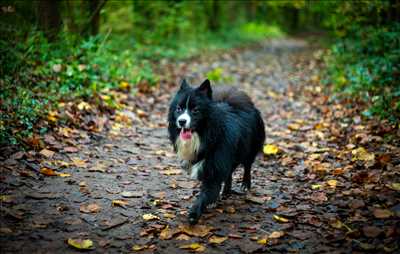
(327, 181)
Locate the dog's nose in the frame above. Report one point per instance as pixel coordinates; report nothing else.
(182, 122)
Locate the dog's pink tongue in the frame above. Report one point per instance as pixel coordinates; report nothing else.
(186, 134)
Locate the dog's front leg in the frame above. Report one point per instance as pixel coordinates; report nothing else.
(209, 194)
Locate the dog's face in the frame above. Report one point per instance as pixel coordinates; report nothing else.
(188, 109)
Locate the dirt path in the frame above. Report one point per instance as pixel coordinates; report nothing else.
(321, 193)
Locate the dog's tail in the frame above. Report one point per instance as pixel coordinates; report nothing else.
(234, 97)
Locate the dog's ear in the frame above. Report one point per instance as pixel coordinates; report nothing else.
(205, 88)
(184, 84)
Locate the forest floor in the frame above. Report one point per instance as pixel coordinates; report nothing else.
(328, 182)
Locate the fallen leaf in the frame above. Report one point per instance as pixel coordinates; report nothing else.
(270, 149)
(316, 186)
(90, 208)
(80, 243)
(52, 116)
(71, 149)
(217, 239)
(371, 231)
(235, 236)
(331, 183)
(84, 106)
(196, 230)
(79, 163)
(119, 202)
(168, 233)
(337, 224)
(47, 153)
(183, 237)
(262, 241)
(48, 172)
(230, 209)
(294, 126)
(254, 199)
(280, 219)
(196, 247)
(124, 85)
(141, 113)
(394, 186)
(150, 216)
(170, 172)
(64, 175)
(169, 215)
(362, 154)
(6, 198)
(319, 197)
(382, 213)
(137, 247)
(276, 234)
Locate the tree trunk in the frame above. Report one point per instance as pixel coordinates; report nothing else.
(49, 18)
(94, 12)
(214, 17)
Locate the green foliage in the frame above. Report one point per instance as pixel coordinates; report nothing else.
(42, 73)
(364, 62)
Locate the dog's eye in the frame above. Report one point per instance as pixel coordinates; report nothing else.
(178, 109)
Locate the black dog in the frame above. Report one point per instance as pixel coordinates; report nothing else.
(213, 132)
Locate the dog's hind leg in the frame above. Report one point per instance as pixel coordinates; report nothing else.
(246, 182)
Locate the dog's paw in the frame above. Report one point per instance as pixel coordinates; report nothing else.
(194, 215)
(212, 205)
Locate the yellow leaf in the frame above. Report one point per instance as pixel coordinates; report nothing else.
(316, 186)
(196, 230)
(119, 202)
(48, 172)
(150, 216)
(360, 154)
(217, 239)
(64, 174)
(6, 198)
(80, 244)
(270, 149)
(263, 241)
(332, 183)
(280, 219)
(394, 186)
(337, 224)
(276, 234)
(79, 162)
(137, 247)
(294, 126)
(52, 116)
(197, 247)
(169, 215)
(124, 85)
(168, 233)
(84, 106)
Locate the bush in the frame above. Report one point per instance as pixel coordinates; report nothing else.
(365, 65)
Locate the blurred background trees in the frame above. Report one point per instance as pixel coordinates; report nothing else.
(55, 51)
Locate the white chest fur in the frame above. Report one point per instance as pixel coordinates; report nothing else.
(187, 149)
